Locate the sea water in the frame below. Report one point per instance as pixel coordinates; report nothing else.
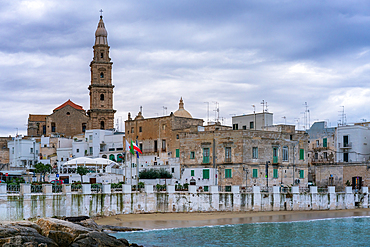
(353, 231)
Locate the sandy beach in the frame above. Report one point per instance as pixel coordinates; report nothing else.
(177, 220)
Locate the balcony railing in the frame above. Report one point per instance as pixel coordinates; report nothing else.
(345, 145)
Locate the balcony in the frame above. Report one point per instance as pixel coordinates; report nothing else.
(345, 145)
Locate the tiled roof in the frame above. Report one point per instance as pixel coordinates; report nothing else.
(70, 103)
(37, 118)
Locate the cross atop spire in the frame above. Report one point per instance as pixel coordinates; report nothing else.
(101, 13)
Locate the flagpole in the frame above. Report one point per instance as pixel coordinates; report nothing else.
(131, 169)
(137, 171)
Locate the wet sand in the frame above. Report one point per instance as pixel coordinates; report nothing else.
(177, 220)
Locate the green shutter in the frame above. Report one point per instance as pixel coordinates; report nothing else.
(177, 153)
(192, 173)
(205, 188)
(227, 173)
(301, 154)
(275, 173)
(255, 173)
(301, 174)
(325, 142)
(205, 155)
(206, 173)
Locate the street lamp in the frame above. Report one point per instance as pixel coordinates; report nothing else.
(267, 174)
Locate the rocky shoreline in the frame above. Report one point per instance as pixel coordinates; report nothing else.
(53, 232)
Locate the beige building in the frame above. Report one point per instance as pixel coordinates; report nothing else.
(239, 157)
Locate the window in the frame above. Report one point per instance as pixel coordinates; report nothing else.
(101, 75)
(77, 150)
(205, 173)
(317, 143)
(291, 137)
(140, 129)
(53, 129)
(251, 125)
(275, 173)
(285, 153)
(119, 149)
(101, 55)
(132, 129)
(345, 157)
(68, 113)
(227, 188)
(163, 145)
(102, 125)
(155, 145)
(192, 155)
(275, 155)
(177, 136)
(235, 126)
(345, 141)
(173, 170)
(325, 142)
(90, 137)
(44, 129)
(31, 150)
(177, 153)
(325, 155)
(244, 127)
(227, 154)
(316, 156)
(227, 173)
(61, 159)
(301, 173)
(205, 188)
(192, 173)
(205, 155)
(12, 150)
(141, 147)
(83, 127)
(255, 152)
(111, 149)
(111, 157)
(301, 154)
(102, 97)
(163, 126)
(255, 173)
(91, 150)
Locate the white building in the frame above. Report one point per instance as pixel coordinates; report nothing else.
(256, 121)
(353, 143)
(23, 153)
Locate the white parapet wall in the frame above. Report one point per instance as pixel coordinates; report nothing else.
(107, 201)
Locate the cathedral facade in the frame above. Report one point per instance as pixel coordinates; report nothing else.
(70, 119)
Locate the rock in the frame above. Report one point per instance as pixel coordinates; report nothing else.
(124, 241)
(76, 218)
(100, 239)
(49, 224)
(91, 224)
(63, 239)
(120, 228)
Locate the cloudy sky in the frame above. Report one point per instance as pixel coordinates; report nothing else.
(235, 53)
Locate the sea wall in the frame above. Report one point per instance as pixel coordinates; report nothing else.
(26, 205)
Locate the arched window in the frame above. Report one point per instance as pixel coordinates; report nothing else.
(101, 75)
(102, 97)
(104, 156)
(111, 157)
(102, 125)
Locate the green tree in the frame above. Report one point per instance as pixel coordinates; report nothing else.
(42, 169)
(81, 170)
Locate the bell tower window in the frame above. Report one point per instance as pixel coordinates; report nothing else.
(102, 97)
(102, 55)
(101, 75)
(102, 125)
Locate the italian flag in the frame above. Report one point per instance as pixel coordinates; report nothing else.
(134, 147)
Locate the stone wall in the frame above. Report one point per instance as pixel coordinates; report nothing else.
(47, 204)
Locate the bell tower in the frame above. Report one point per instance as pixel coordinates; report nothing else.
(101, 111)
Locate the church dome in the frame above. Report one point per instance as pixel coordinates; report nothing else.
(181, 112)
(101, 33)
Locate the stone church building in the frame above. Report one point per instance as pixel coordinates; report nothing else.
(70, 119)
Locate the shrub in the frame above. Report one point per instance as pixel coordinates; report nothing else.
(154, 173)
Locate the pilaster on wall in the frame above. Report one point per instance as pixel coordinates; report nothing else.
(276, 198)
(126, 197)
(256, 198)
(235, 189)
(66, 190)
(314, 198)
(365, 192)
(25, 191)
(349, 198)
(296, 202)
(215, 197)
(332, 198)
